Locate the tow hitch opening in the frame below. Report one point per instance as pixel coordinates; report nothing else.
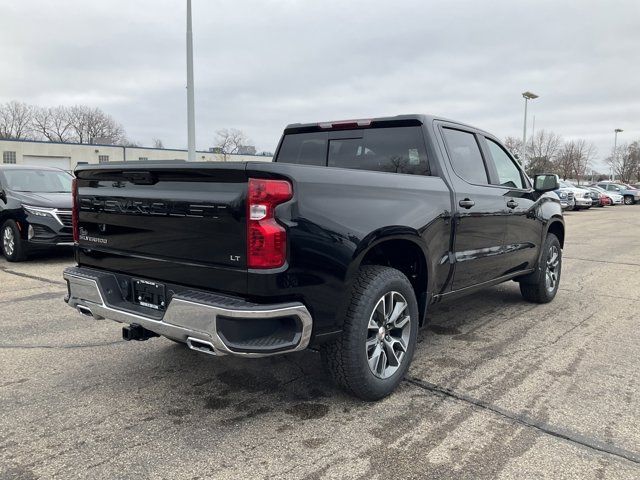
(137, 332)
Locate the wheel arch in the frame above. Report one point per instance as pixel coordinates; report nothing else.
(402, 249)
(556, 226)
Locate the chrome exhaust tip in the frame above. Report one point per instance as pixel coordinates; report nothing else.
(200, 346)
(86, 311)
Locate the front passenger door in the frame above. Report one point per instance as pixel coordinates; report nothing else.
(524, 229)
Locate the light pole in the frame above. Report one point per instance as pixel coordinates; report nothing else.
(615, 147)
(191, 119)
(527, 96)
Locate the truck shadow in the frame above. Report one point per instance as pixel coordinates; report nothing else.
(230, 390)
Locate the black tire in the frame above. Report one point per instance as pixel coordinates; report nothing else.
(11, 242)
(348, 358)
(628, 200)
(535, 287)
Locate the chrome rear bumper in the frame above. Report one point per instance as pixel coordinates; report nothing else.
(190, 317)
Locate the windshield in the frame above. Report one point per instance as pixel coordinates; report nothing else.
(40, 181)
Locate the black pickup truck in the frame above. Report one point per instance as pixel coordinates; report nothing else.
(340, 244)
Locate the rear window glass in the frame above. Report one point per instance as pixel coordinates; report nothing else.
(394, 150)
(304, 149)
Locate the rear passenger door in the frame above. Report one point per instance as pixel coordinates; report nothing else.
(524, 229)
(480, 210)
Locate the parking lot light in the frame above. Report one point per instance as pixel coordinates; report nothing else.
(527, 96)
(615, 148)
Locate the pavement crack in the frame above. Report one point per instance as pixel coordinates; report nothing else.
(564, 257)
(38, 296)
(526, 421)
(61, 347)
(32, 277)
(547, 344)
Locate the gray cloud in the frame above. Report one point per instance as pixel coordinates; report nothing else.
(263, 64)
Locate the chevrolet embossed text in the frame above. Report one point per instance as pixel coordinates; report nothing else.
(151, 207)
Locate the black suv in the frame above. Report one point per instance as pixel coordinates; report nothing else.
(35, 210)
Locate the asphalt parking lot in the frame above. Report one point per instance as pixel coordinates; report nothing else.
(499, 388)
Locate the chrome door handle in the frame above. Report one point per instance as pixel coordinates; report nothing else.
(512, 204)
(466, 203)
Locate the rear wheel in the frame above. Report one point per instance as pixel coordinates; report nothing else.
(542, 285)
(628, 200)
(12, 244)
(379, 334)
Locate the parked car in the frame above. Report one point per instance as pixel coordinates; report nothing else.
(615, 198)
(35, 210)
(566, 199)
(598, 198)
(630, 196)
(582, 196)
(341, 243)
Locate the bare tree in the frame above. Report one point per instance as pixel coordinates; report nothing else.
(634, 149)
(585, 151)
(15, 120)
(625, 162)
(92, 125)
(157, 143)
(514, 145)
(542, 152)
(229, 141)
(52, 123)
(564, 160)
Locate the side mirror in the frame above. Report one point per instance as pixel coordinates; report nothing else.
(545, 182)
(3, 195)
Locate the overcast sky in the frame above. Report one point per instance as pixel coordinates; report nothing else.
(260, 64)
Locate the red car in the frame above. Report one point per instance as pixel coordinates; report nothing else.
(599, 199)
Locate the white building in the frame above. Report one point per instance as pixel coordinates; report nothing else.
(68, 155)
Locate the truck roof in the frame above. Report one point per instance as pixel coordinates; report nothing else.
(397, 120)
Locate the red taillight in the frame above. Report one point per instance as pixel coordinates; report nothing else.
(74, 211)
(266, 238)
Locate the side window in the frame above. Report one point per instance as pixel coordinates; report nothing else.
(393, 150)
(465, 156)
(508, 174)
(304, 149)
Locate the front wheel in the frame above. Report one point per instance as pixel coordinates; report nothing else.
(379, 334)
(12, 245)
(542, 285)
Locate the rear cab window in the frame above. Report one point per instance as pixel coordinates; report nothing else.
(465, 156)
(390, 149)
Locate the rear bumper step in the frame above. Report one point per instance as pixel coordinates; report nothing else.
(208, 323)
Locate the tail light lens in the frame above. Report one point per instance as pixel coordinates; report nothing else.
(266, 238)
(74, 211)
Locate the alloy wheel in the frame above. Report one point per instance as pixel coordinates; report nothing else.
(388, 334)
(553, 268)
(8, 241)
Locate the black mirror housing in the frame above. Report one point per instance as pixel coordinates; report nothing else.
(546, 182)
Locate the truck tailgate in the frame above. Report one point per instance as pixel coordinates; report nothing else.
(177, 222)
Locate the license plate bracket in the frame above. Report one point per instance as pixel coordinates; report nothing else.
(149, 294)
